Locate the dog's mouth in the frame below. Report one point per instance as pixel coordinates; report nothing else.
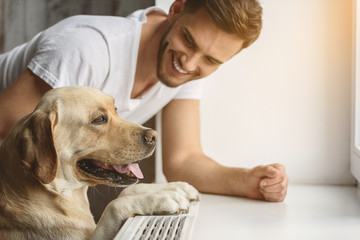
(122, 174)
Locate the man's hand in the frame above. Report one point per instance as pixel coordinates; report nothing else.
(267, 183)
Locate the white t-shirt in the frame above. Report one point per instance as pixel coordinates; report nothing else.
(94, 51)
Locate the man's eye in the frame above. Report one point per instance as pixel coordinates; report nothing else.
(100, 120)
(187, 39)
(210, 60)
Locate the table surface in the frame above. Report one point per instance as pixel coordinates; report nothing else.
(309, 212)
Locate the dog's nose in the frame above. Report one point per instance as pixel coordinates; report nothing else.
(149, 137)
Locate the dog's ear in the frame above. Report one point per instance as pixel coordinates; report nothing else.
(36, 146)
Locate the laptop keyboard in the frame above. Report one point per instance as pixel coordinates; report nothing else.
(159, 227)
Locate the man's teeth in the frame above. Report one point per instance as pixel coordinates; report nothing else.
(178, 67)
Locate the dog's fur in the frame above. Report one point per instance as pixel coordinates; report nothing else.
(45, 162)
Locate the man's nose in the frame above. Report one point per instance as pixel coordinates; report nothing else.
(190, 61)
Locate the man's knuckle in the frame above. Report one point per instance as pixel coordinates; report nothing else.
(269, 169)
(281, 179)
(280, 166)
(259, 168)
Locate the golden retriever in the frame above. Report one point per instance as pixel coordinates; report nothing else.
(74, 139)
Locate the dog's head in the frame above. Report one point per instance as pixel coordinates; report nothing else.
(75, 135)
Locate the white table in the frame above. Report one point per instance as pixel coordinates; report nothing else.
(309, 212)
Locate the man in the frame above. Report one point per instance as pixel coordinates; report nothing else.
(146, 62)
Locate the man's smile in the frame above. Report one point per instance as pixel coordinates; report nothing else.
(176, 65)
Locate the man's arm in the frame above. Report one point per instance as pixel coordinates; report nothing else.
(20, 99)
(184, 160)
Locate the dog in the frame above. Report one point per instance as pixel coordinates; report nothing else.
(75, 139)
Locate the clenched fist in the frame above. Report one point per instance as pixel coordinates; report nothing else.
(267, 183)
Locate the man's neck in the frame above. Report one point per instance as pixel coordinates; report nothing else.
(146, 68)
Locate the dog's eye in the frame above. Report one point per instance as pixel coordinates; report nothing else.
(100, 120)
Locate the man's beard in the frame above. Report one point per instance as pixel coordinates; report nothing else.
(159, 72)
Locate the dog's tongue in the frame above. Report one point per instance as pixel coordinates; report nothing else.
(133, 167)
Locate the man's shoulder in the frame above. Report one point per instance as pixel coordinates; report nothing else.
(106, 25)
(87, 32)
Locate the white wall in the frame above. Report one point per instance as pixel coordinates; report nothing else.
(287, 98)
(355, 144)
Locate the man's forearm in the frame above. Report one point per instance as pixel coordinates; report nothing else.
(264, 182)
(208, 176)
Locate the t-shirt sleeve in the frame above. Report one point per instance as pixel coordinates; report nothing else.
(73, 56)
(190, 90)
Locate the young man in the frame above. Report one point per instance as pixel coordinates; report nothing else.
(146, 62)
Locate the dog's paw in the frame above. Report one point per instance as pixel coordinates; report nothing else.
(189, 191)
(183, 188)
(168, 198)
(165, 202)
(162, 202)
(145, 199)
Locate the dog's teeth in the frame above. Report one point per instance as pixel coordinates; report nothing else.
(129, 174)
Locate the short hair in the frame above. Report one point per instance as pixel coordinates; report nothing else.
(240, 17)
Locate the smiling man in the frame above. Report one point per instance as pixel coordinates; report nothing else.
(147, 62)
(193, 48)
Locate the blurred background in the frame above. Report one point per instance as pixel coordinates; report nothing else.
(20, 20)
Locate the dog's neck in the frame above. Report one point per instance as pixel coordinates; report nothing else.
(19, 188)
(12, 172)
(15, 177)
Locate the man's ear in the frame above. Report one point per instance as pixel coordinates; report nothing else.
(36, 146)
(175, 9)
